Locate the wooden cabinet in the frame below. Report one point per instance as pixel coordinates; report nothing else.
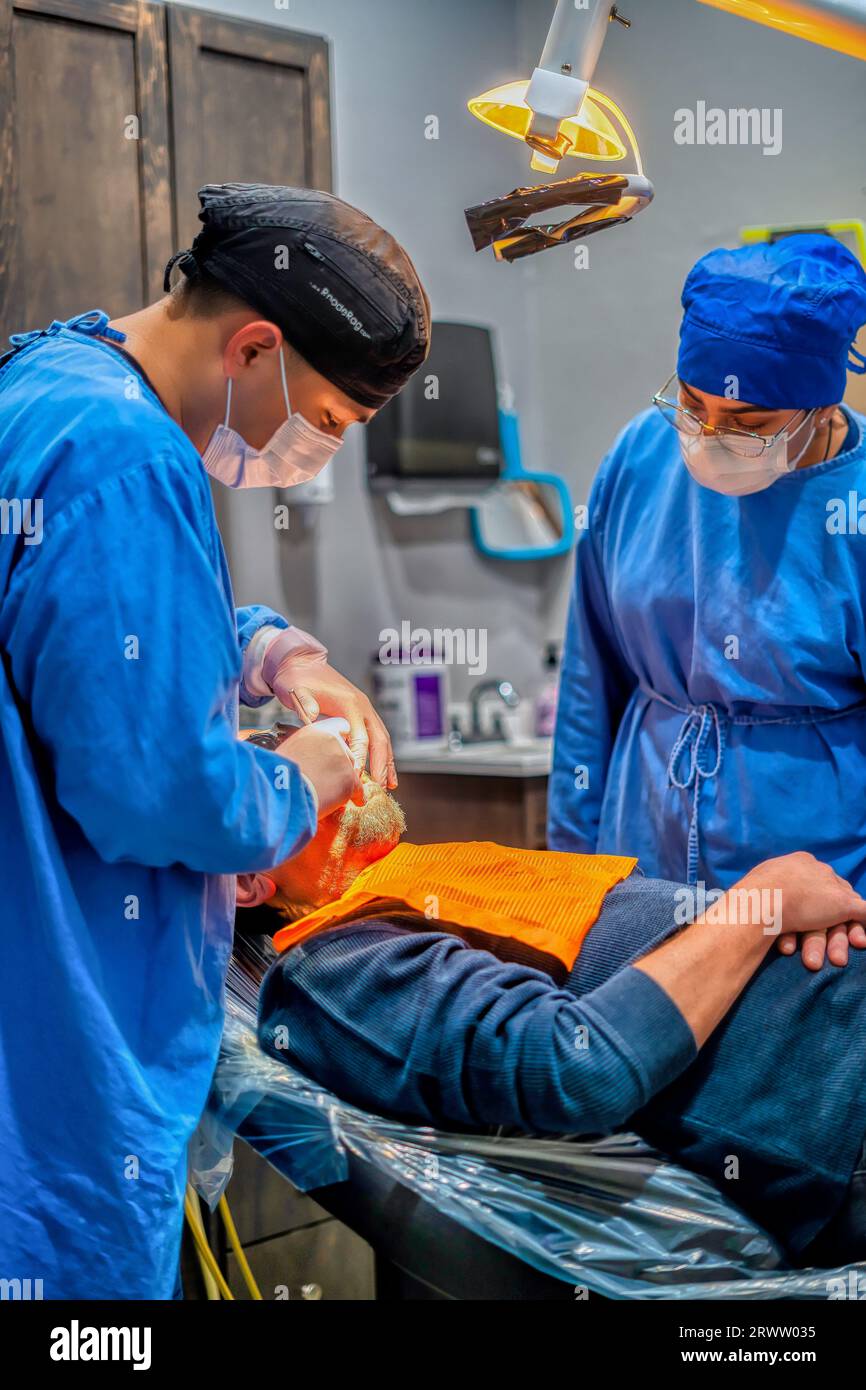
(99, 169)
(507, 810)
(250, 104)
(85, 215)
(113, 113)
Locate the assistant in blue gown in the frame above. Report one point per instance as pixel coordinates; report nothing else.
(713, 698)
(126, 802)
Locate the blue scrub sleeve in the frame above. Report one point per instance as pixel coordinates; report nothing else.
(595, 686)
(122, 645)
(422, 1026)
(249, 620)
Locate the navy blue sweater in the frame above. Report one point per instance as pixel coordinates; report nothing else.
(418, 1025)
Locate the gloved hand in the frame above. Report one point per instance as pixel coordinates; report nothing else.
(307, 675)
(322, 757)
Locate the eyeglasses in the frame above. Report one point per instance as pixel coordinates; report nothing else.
(743, 443)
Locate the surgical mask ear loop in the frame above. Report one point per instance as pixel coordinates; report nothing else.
(285, 387)
(285, 392)
(792, 463)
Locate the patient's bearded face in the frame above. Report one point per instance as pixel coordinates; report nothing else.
(345, 843)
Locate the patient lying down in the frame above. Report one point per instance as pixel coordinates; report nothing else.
(470, 986)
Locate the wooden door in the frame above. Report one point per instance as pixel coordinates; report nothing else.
(85, 217)
(250, 104)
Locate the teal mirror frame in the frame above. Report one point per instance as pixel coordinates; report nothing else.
(513, 471)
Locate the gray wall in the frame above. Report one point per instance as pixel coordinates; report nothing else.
(361, 569)
(582, 349)
(605, 338)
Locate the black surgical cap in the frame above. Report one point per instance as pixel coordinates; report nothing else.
(340, 288)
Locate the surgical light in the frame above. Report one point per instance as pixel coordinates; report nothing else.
(587, 133)
(838, 24)
(598, 200)
(558, 114)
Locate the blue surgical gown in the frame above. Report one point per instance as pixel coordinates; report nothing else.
(126, 805)
(713, 702)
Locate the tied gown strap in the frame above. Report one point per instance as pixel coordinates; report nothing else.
(695, 757)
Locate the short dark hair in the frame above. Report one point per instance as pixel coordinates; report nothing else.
(202, 296)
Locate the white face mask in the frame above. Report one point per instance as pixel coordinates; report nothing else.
(295, 452)
(715, 467)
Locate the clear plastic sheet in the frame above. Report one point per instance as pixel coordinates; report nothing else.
(609, 1215)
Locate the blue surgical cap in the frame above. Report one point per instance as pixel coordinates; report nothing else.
(773, 324)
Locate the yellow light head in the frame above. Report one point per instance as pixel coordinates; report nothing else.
(588, 134)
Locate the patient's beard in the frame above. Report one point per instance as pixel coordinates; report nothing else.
(292, 912)
(366, 833)
(379, 821)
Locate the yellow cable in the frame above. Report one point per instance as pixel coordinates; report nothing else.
(206, 1252)
(208, 1256)
(210, 1283)
(243, 1263)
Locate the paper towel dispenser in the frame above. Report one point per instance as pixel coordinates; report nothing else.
(443, 427)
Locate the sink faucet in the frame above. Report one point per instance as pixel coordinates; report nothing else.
(510, 699)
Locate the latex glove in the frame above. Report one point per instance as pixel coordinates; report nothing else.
(307, 676)
(323, 757)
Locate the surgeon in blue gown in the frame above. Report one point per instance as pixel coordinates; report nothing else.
(127, 804)
(713, 699)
